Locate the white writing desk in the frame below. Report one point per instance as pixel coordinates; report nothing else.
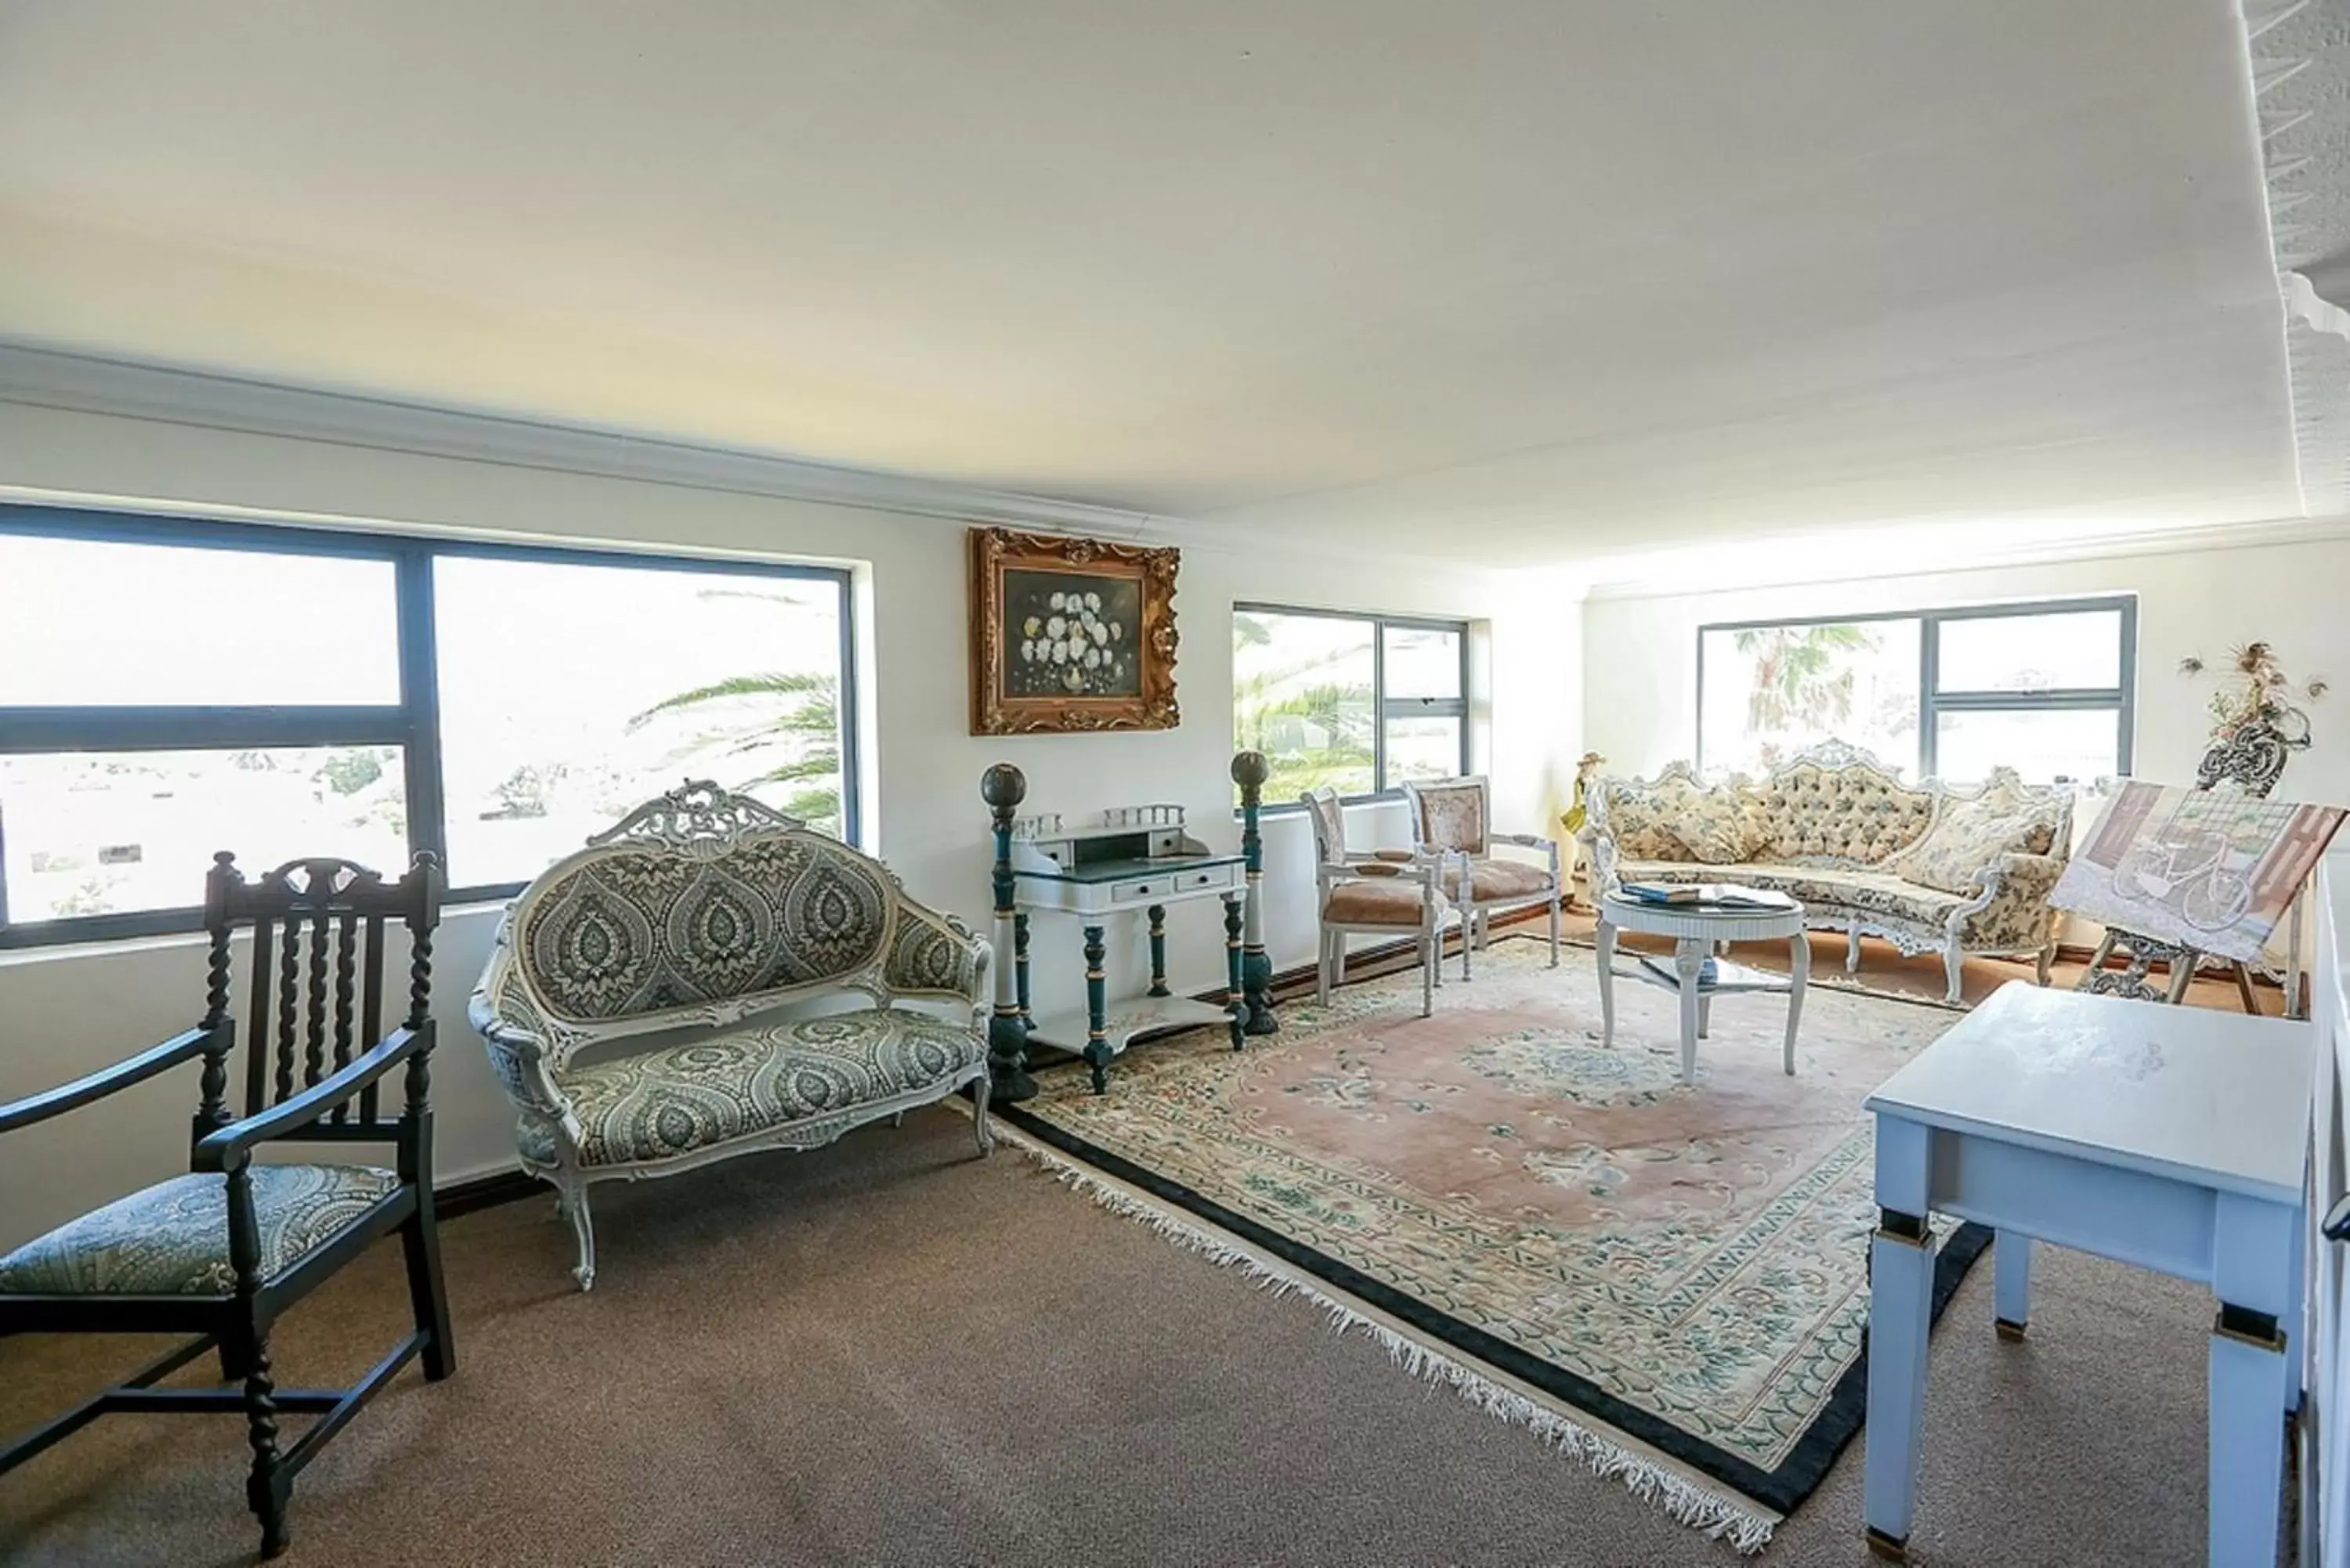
(2171, 1137)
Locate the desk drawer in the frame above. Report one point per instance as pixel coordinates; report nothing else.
(1172, 884)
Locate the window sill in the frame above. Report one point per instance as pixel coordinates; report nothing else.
(163, 941)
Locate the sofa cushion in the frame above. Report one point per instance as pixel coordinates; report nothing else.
(1820, 888)
(1678, 818)
(1895, 898)
(1969, 836)
(1856, 812)
(659, 1105)
(171, 1239)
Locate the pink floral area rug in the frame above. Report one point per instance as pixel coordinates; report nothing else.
(1668, 1279)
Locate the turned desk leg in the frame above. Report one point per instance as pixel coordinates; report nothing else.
(1020, 964)
(1157, 914)
(1097, 1009)
(1237, 997)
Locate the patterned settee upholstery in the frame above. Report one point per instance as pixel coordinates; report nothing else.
(620, 1001)
(1928, 867)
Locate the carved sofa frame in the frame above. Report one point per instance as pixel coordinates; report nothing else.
(1850, 814)
(697, 911)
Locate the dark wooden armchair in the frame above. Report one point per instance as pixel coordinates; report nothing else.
(222, 1252)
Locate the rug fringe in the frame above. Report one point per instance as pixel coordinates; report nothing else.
(1683, 1501)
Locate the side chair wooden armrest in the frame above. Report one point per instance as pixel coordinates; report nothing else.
(93, 1087)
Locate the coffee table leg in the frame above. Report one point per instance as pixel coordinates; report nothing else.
(1604, 939)
(2252, 1274)
(2012, 1283)
(1689, 958)
(1900, 1312)
(1799, 974)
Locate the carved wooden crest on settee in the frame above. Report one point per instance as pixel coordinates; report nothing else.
(1070, 634)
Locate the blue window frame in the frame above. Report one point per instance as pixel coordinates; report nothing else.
(2048, 686)
(171, 686)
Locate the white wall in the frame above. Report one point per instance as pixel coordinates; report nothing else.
(67, 1012)
(1640, 685)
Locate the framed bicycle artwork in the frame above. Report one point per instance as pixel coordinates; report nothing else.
(2209, 871)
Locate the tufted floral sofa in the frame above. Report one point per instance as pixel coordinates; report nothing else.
(621, 1002)
(1929, 868)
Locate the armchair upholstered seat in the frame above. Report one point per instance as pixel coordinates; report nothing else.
(1381, 892)
(171, 1239)
(1376, 903)
(661, 1104)
(616, 1000)
(1493, 881)
(1452, 828)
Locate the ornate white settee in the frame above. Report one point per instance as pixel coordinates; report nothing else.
(618, 1001)
(1928, 867)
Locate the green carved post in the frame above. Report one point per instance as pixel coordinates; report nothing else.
(1239, 1001)
(1003, 787)
(1097, 1009)
(1249, 770)
(1158, 913)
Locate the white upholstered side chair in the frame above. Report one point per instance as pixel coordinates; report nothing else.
(1452, 822)
(1387, 892)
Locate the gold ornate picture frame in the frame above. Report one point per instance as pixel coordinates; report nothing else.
(1070, 635)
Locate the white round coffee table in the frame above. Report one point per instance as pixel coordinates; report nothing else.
(1695, 933)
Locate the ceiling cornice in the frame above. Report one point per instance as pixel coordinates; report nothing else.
(48, 378)
(81, 383)
(90, 384)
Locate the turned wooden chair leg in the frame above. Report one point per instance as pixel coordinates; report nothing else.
(427, 1294)
(266, 1487)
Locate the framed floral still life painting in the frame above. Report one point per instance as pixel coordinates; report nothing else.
(1070, 634)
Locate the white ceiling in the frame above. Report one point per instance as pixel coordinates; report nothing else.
(1511, 281)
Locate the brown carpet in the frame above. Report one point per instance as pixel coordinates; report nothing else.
(888, 1351)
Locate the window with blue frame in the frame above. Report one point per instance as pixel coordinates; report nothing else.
(2046, 687)
(172, 687)
(1357, 703)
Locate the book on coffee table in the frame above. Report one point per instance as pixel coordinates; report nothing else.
(1706, 895)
